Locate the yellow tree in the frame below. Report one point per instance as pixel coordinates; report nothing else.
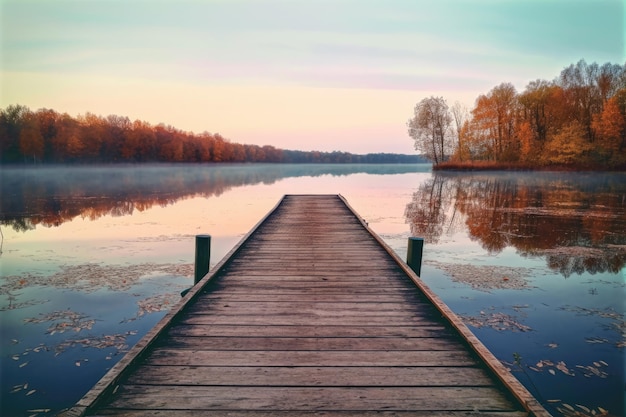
(568, 147)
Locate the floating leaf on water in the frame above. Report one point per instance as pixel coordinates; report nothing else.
(487, 277)
(92, 277)
(563, 368)
(498, 321)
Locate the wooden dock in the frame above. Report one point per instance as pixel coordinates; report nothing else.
(310, 314)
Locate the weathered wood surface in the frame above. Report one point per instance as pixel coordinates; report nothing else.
(311, 315)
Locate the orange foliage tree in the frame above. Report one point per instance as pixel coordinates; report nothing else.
(610, 129)
(577, 120)
(46, 136)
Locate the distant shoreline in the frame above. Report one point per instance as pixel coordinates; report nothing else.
(392, 159)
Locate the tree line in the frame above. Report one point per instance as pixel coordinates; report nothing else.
(46, 136)
(576, 120)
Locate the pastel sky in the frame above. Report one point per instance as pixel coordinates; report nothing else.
(297, 74)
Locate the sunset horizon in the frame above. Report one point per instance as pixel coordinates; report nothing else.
(326, 76)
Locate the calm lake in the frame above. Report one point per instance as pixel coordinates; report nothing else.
(92, 258)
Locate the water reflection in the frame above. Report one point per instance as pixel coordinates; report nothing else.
(577, 221)
(50, 196)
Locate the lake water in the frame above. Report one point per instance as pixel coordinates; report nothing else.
(93, 257)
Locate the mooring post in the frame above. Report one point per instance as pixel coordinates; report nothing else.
(203, 257)
(414, 254)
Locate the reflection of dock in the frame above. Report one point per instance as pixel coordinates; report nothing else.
(310, 312)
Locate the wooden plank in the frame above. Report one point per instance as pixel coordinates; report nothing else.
(371, 332)
(375, 297)
(204, 306)
(229, 309)
(195, 357)
(308, 413)
(311, 343)
(302, 319)
(397, 376)
(310, 398)
(322, 289)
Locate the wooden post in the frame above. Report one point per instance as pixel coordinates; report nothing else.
(414, 254)
(203, 257)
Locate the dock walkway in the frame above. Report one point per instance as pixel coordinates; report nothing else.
(311, 314)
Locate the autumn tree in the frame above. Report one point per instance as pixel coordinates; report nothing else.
(86, 145)
(610, 129)
(114, 130)
(533, 103)
(47, 121)
(430, 128)
(584, 98)
(31, 141)
(494, 116)
(67, 144)
(139, 143)
(568, 147)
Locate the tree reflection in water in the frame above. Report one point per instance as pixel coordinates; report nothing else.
(573, 219)
(52, 195)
